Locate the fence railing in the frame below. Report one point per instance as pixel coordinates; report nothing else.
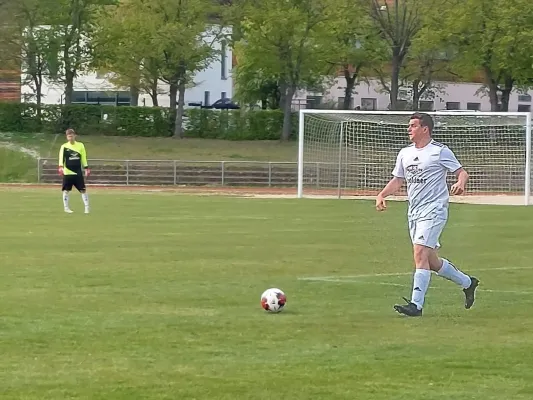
(363, 175)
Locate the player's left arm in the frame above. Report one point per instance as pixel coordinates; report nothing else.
(450, 162)
(84, 162)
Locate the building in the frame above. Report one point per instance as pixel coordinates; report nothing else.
(446, 96)
(208, 86)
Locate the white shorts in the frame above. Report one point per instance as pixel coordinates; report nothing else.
(426, 232)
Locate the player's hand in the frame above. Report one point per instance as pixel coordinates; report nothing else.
(457, 189)
(87, 172)
(381, 204)
(60, 171)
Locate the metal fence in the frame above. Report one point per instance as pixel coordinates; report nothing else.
(174, 172)
(317, 175)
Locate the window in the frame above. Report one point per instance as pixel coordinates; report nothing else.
(425, 105)
(369, 104)
(313, 101)
(473, 106)
(206, 98)
(222, 95)
(524, 98)
(121, 98)
(340, 102)
(524, 108)
(402, 105)
(453, 105)
(223, 46)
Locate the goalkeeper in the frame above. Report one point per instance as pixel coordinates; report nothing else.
(72, 166)
(423, 165)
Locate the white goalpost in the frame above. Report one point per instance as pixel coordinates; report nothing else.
(352, 153)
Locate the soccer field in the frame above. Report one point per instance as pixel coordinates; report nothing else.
(156, 296)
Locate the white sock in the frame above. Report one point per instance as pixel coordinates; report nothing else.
(450, 272)
(85, 198)
(65, 199)
(421, 280)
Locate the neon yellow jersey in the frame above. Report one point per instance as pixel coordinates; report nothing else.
(73, 158)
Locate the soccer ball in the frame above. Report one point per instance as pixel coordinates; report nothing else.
(273, 300)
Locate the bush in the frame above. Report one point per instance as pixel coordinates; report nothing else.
(144, 121)
(236, 124)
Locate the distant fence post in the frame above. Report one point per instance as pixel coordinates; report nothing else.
(222, 171)
(175, 172)
(127, 172)
(269, 173)
(38, 169)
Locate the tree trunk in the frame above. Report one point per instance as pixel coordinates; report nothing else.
(416, 95)
(287, 112)
(493, 89)
(173, 92)
(178, 128)
(38, 81)
(153, 94)
(134, 95)
(69, 85)
(348, 91)
(395, 80)
(506, 93)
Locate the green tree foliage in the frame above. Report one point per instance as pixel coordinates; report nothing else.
(123, 45)
(72, 20)
(282, 40)
(176, 40)
(398, 22)
(353, 43)
(496, 38)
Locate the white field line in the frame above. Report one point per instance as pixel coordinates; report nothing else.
(361, 279)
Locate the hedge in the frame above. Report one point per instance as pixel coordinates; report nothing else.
(143, 121)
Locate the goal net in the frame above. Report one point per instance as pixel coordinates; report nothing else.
(352, 153)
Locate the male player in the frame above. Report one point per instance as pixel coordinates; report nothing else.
(72, 164)
(424, 165)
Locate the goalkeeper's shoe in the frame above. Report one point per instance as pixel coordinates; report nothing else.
(470, 292)
(68, 211)
(409, 309)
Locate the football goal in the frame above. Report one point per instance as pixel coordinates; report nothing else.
(352, 153)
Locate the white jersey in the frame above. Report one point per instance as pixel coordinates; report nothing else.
(424, 171)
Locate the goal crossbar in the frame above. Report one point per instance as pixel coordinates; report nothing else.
(352, 152)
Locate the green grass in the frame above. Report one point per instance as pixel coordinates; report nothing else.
(16, 166)
(156, 296)
(109, 147)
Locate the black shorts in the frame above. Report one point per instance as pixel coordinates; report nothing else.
(73, 180)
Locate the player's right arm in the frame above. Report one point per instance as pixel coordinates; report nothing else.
(61, 160)
(393, 185)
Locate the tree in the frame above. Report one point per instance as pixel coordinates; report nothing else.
(180, 41)
(282, 40)
(124, 47)
(496, 40)
(398, 21)
(426, 59)
(33, 47)
(72, 19)
(353, 43)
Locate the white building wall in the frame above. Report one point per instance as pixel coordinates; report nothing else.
(216, 79)
(447, 92)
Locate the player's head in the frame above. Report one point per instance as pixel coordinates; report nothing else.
(420, 126)
(71, 135)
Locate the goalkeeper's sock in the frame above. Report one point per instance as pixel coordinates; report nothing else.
(450, 272)
(421, 280)
(65, 200)
(85, 198)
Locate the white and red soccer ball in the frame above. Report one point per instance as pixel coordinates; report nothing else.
(273, 300)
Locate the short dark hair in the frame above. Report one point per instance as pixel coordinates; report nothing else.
(425, 120)
(70, 131)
